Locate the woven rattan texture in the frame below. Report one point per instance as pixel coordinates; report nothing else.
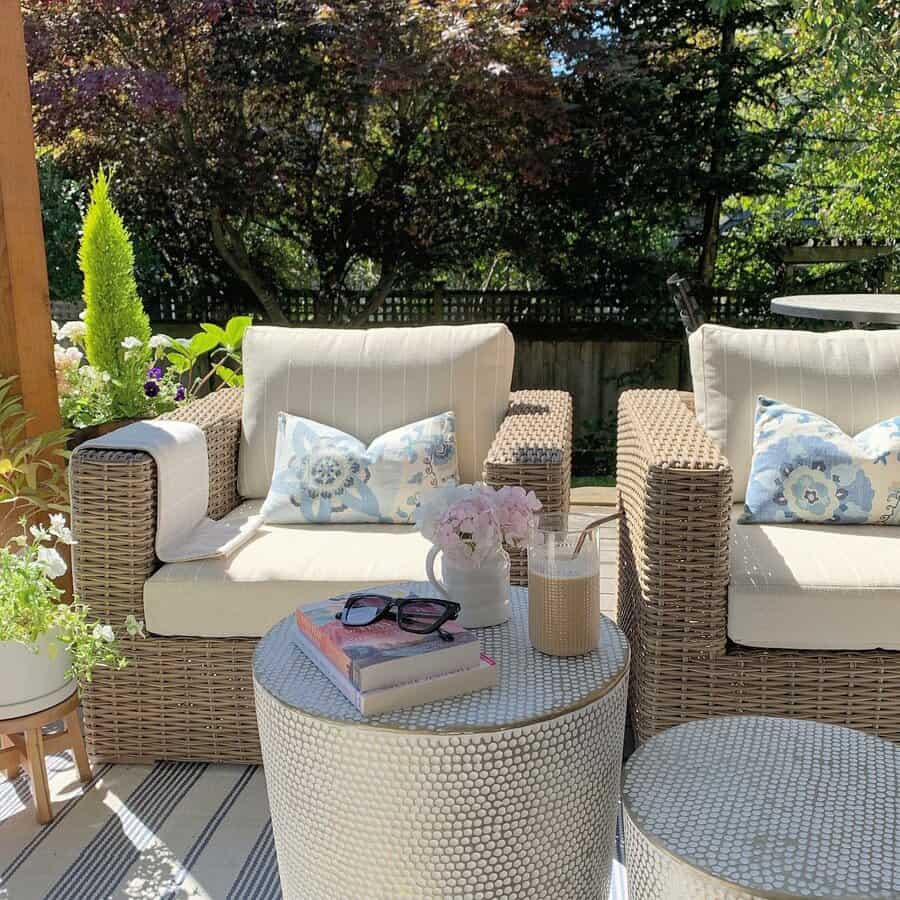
(675, 499)
(182, 698)
(521, 812)
(762, 807)
(533, 448)
(219, 415)
(532, 684)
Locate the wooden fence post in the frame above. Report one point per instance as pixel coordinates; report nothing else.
(26, 342)
(437, 303)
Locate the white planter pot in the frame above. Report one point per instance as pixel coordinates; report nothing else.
(483, 593)
(29, 681)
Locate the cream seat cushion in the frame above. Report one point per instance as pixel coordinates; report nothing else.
(850, 377)
(814, 587)
(279, 568)
(369, 382)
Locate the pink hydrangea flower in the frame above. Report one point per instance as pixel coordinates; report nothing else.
(470, 523)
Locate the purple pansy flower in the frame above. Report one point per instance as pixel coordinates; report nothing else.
(179, 393)
(155, 373)
(151, 388)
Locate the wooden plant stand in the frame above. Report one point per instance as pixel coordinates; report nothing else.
(23, 742)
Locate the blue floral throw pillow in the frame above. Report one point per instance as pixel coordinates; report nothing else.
(324, 475)
(805, 469)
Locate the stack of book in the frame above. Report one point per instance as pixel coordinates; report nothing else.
(380, 667)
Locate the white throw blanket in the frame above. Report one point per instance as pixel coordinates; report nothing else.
(183, 530)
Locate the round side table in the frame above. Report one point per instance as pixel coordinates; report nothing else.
(756, 807)
(23, 742)
(510, 791)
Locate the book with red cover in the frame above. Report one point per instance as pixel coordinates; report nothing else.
(383, 655)
(414, 693)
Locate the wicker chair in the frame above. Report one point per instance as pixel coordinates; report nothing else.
(189, 698)
(675, 496)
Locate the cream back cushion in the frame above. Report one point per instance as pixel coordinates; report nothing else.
(850, 377)
(369, 382)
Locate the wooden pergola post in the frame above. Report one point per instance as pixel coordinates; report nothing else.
(26, 341)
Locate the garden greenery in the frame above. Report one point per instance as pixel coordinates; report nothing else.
(160, 373)
(222, 347)
(33, 485)
(30, 604)
(113, 311)
(32, 469)
(108, 364)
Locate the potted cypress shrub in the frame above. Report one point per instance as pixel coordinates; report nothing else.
(122, 381)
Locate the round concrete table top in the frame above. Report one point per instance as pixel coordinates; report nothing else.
(882, 309)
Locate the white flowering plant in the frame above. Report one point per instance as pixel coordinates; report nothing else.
(472, 522)
(152, 376)
(30, 603)
(143, 385)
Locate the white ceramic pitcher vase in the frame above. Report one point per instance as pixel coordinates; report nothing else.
(482, 593)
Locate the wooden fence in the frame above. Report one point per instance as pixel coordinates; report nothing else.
(595, 372)
(569, 311)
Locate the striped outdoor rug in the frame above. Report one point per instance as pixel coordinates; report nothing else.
(170, 831)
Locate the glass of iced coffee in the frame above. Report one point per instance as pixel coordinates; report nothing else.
(563, 586)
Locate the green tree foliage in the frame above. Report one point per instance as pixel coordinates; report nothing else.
(849, 176)
(843, 179)
(113, 310)
(381, 134)
(673, 106)
(286, 144)
(61, 214)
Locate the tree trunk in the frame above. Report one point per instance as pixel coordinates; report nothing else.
(376, 297)
(232, 250)
(724, 110)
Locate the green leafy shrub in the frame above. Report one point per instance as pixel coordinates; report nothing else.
(114, 314)
(32, 469)
(223, 345)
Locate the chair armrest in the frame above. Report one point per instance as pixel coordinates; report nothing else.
(675, 496)
(114, 507)
(219, 415)
(533, 447)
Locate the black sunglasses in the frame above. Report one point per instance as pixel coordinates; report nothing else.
(420, 615)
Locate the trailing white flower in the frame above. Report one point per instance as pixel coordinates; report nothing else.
(497, 68)
(51, 563)
(134, 626)
(60, 530)
(104, 633)
(131, 343)
(39, 533)
(160, 341)
(54, 327)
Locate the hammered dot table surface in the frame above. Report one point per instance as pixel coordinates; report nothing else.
(508, 792)
(759, 807)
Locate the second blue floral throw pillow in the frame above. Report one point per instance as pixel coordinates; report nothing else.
(324, 475)
(805, 469)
